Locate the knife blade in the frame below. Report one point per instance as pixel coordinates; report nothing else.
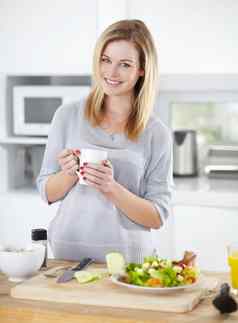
(69, 274)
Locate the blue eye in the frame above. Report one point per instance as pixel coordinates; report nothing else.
(125, 65)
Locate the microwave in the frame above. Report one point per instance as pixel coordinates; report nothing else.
(34, 106)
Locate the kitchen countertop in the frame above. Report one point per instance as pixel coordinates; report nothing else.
(19, 310)
(206, 191)
(197, 191)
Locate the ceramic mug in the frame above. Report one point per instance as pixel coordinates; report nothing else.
(95, 156)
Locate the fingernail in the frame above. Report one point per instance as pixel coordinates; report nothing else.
(85, 164)
(77, 151)
(81, 173)
(84, 178)
(81, 167)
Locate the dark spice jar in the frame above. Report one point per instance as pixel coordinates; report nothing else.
(40, 236)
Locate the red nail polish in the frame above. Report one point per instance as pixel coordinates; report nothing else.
(77, 151)
(85, 164)
(81, 167)
(81, 173)
(84, 178)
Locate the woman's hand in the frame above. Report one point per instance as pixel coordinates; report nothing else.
(69, 161)
(99, 176)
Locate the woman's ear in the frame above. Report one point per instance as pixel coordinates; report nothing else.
(141, 72)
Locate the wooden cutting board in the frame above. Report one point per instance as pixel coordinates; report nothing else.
(105, 293)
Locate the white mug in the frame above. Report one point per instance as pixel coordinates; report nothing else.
(95, 156)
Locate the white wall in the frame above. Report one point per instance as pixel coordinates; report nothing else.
(58, 36)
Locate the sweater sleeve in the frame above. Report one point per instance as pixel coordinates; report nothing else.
(158, 185)
(55, 144)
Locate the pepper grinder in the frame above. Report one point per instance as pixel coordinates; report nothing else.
(40, 236)
(224, 302)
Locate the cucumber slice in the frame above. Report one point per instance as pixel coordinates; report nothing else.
(84, 276)
(115, 263)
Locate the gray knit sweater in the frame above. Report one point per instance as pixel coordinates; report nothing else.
(87, 223)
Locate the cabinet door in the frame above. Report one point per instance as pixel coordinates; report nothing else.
(47, 36)
(163, 239)
(19, 214)
(185, 33)
(206, 231)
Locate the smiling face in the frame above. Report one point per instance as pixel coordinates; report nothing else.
(119, 68)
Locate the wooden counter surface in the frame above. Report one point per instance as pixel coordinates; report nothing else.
(25, 311)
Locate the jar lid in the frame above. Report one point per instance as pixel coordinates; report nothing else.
(38, 234)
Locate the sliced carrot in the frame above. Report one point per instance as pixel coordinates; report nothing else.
(153, 282)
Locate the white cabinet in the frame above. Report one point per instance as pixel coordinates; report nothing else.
(47, 36)
(186, 32)
(163, 239)
(206, 231)
(19, 214)
(109, 13)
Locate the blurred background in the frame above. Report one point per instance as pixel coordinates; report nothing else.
(45, 60)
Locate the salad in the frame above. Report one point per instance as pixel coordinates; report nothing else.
(158, 272)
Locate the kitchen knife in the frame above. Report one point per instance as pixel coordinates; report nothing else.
(69, 274)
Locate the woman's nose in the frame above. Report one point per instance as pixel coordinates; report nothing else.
(113, 71)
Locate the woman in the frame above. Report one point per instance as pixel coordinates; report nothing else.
(130, 193)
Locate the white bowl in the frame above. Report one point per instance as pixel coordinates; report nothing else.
(20, 265)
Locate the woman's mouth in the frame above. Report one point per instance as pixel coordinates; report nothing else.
(112, 82)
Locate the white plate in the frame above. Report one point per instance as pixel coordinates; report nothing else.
(115, 280)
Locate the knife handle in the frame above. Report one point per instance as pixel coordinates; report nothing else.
(83, 263)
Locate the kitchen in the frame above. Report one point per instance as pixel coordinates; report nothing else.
(42, 45)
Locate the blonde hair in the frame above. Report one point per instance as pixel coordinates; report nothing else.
(136, 32)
